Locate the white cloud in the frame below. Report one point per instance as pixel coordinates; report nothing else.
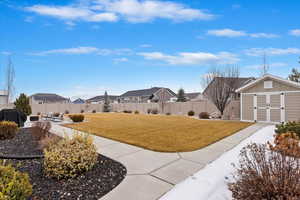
(226, 33)
(85, 50)
(148, 10)
(76, 50)
(28, 19)
(263, 35)
(119, 60)
(6, 53)
(239, 33)
(72, 13)
(130, 10)
(271, 51)
(295, 32)
(236, 6)
(192, 58)
(145, 45)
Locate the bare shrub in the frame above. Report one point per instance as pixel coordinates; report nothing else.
(204, 115)
(265, 174)
(41, 129)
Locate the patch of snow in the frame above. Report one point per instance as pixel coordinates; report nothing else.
(210, 183)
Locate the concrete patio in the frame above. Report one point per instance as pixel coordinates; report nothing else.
(151, 174)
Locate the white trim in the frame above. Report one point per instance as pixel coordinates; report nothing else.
(241, 107)
(268, 110)
(255, 107)
(292, 83)
(270, 93)
(282, 107)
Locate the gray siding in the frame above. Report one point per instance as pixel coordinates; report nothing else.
(247, 106)
(292, 106)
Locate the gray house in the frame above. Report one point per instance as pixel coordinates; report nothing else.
(3, 97)
(41, 98)
(101, 99)
(79, 101)
(154, 94)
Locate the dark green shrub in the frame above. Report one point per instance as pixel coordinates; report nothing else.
(22, 104)
(14, 185)
(56, 114)
(77, 118)
(136, 112)
(70, 157)
(154, 111)
(127, 111)
(191, 113)
(204, 115)
(288, 127)
(8, 130)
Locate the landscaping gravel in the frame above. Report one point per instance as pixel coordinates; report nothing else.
(24, 143)
(93, 184)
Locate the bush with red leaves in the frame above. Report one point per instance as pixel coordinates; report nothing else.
(264, 174)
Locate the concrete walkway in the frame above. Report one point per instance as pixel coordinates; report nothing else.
(151, 174)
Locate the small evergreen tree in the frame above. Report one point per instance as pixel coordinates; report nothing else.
(295, 76)
(22, 104)
(181, 95)
(106, 106)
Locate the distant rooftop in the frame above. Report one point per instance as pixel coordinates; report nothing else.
(144, 92)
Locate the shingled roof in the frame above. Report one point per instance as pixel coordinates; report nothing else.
(101, 98)
(144, 92)
(239, 82)
(48, 97)
(192, 95)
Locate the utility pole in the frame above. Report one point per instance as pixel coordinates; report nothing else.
(265, 67)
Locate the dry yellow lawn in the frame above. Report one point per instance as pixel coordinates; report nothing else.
(157, 132)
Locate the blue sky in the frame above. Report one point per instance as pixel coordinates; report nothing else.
(82, 48)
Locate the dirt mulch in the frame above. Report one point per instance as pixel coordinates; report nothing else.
(24, 143)
(94, 184)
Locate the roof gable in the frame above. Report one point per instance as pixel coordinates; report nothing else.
(266, 77)
(48, 97)
(143, 92)
(240, 81)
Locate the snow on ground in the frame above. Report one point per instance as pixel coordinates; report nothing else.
(210, 183)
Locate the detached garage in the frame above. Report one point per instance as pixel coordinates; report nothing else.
(270, 99)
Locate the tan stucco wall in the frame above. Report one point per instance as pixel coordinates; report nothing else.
(277, 87)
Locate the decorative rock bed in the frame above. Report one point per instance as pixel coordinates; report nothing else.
(24, 153)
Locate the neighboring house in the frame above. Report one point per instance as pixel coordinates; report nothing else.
(270, 99)
(237, 82)
(195, 96)
(3, 97)
(101, 99)
(79, 101)
(154, 94)
(41, 98)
